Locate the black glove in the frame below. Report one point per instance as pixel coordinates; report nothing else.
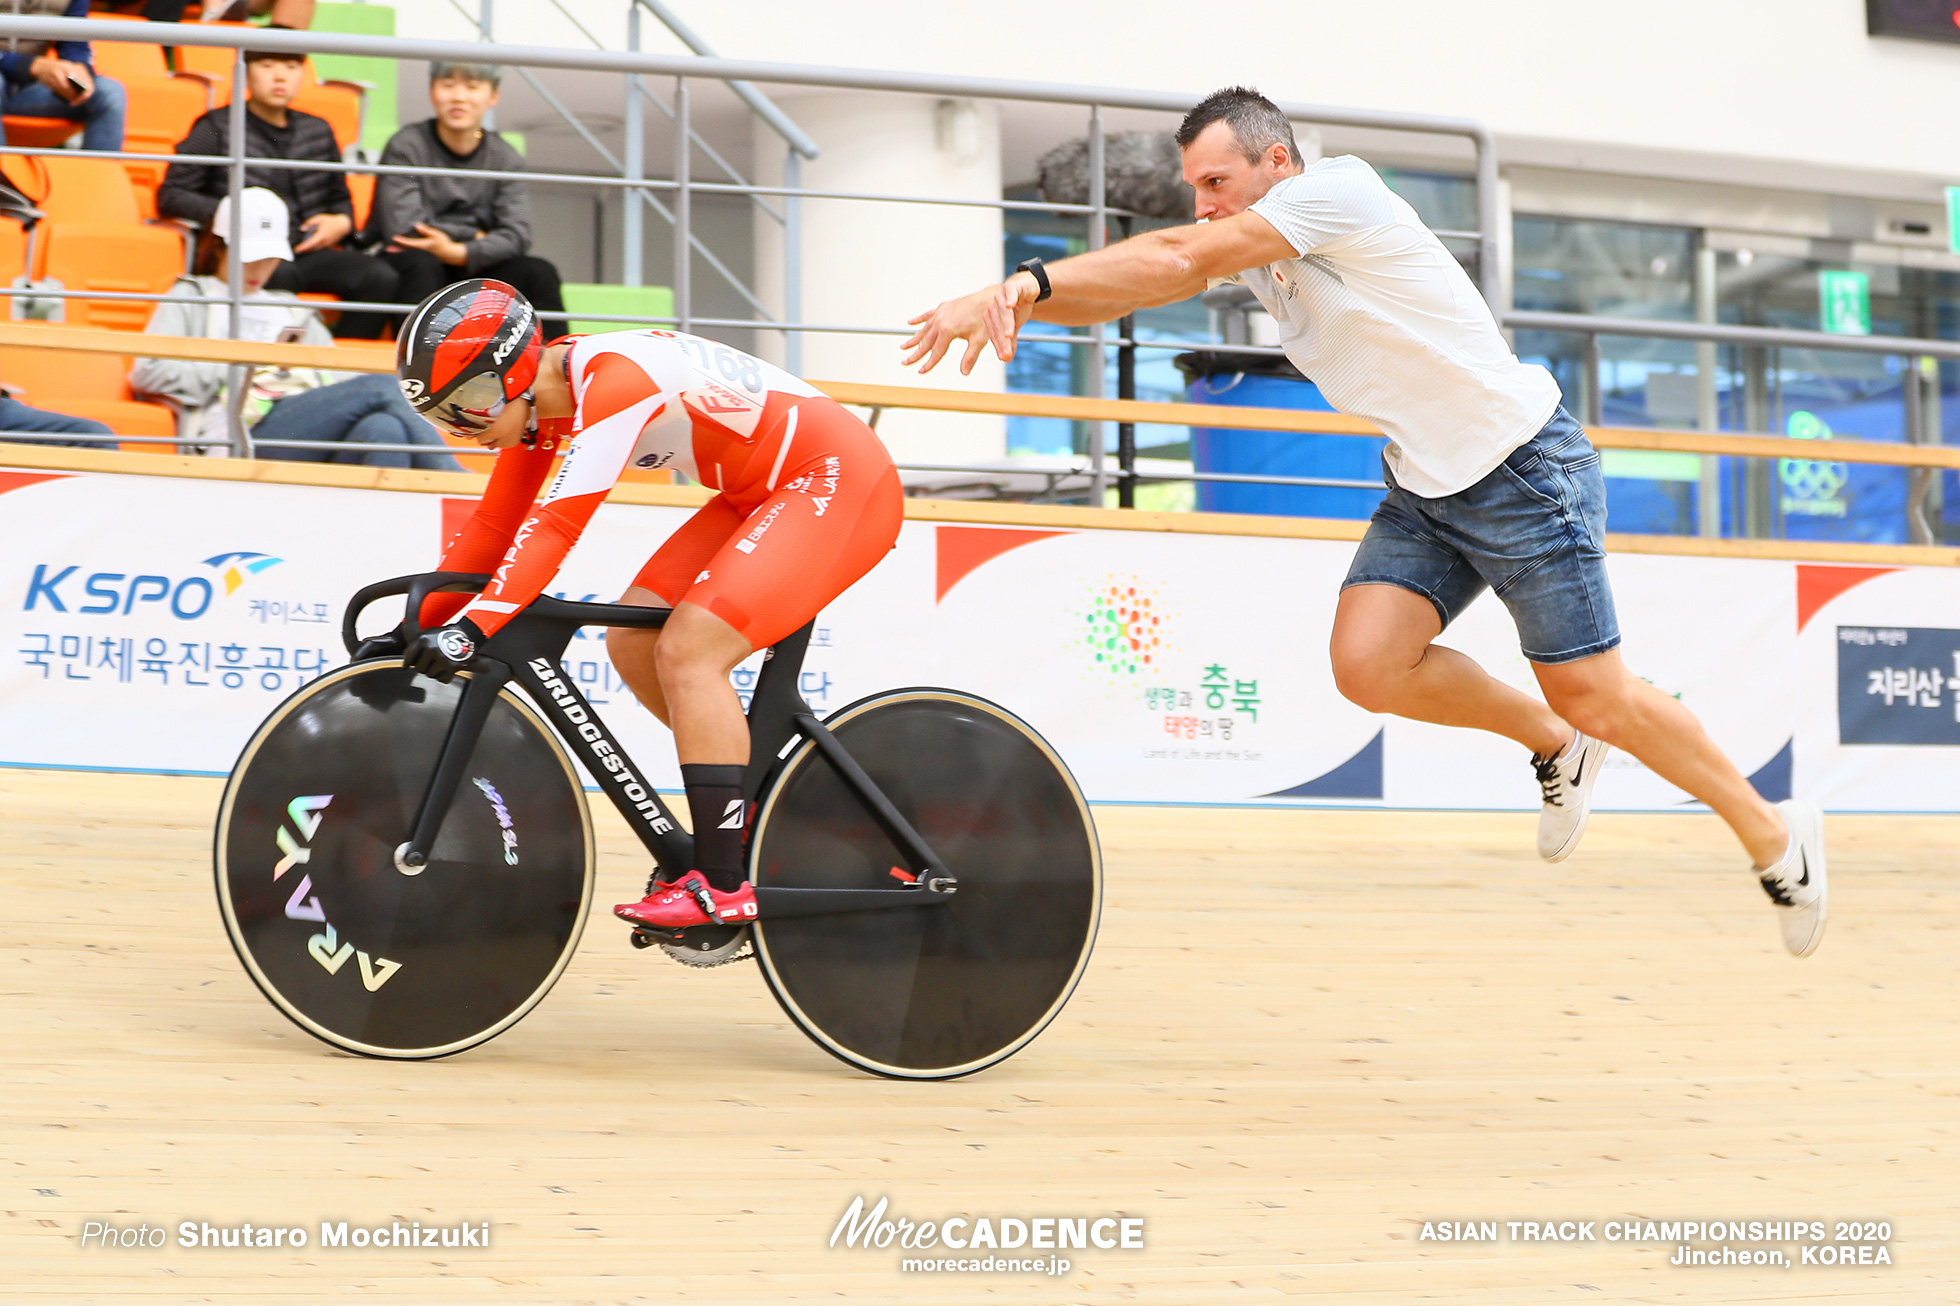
(391, 645)
(440, 653)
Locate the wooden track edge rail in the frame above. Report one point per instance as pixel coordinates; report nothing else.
(347, 358)
(469, 486)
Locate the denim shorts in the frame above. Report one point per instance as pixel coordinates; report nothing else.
(1532, 530)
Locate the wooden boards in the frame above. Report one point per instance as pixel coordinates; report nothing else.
(1303, 1034)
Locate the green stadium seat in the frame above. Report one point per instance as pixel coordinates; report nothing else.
(614, 301)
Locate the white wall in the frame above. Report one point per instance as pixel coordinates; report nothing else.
(878, 264)
(1795, 81)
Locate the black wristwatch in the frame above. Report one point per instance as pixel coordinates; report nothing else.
(1040, 274)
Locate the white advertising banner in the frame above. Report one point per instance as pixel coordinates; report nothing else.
(149, 623)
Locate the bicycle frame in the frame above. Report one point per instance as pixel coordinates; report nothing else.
(527, 651)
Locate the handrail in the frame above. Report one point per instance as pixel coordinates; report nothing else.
(697, 66)
(1481, 138)
(1728, 334)
(370, 358)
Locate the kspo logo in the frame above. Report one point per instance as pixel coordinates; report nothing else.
(109, 593)
(305, 812)
(116, 593)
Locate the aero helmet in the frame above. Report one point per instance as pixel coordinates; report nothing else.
(466, 351)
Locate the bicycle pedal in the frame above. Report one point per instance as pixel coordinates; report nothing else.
(646, 936)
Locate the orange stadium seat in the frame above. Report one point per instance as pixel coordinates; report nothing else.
(75, 190)
(28, 174)
(162, 108)
(13, 250)
(95, 386)
(127, 61)
(128, 257)
(208, 63)
(39, 133)
(339, 104)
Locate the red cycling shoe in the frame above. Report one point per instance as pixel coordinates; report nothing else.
(690, 901)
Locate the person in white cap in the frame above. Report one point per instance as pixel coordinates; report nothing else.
(281, 403)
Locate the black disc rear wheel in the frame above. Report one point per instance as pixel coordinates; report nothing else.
(947, 989)
(363, 954)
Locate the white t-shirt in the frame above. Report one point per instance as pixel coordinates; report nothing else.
(1383, 319)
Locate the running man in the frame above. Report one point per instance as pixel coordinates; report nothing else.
(808, 502)
(1490, 482)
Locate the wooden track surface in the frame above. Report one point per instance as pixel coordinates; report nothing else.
(1302, 1034)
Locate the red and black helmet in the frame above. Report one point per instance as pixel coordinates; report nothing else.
(466, 351)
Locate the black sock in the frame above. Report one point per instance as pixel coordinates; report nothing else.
(714, 797)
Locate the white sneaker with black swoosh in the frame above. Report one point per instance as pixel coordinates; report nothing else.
(1798, 884)
(1567, 783)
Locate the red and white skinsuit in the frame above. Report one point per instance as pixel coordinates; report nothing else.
(808, 499)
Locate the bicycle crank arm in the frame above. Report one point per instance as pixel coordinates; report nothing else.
(776, 904)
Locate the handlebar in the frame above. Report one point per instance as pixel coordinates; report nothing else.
(418, 587)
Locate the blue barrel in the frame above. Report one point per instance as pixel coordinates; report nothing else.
(1275, 453)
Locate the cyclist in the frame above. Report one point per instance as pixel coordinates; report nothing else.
(808, 501)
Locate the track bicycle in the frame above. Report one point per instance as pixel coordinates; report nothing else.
(405, 866)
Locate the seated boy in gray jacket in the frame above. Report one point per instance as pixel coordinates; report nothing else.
(458, 224)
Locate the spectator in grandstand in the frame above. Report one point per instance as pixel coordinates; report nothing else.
(54, 79)
(16, 418)
(458, 224)
(280, 403)
(322, 210)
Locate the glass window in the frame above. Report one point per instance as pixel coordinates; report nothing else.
(1822, 393)
(1046, 367)
(1619, 269)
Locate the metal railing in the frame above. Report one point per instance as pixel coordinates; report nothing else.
(741, 76)
(1920, 415)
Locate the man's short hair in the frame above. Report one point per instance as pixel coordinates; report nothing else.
(473, 72)
(1256, 122)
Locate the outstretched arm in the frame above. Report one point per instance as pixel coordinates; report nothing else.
(1158, 267)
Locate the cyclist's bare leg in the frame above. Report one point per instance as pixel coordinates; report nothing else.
(681, 674)
(632, 651)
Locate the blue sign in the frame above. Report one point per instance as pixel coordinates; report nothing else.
(1898, 685)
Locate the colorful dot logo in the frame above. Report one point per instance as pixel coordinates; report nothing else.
(1123, 628)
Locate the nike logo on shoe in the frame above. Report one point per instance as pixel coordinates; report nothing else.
(1780, 891)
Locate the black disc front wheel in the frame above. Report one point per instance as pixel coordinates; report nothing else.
(949, 988)
(365, 954)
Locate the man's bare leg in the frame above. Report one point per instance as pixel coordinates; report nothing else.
(1601, 697)
(1385, 661)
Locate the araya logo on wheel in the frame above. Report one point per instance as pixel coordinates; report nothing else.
(503, 818)
(296, 849)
